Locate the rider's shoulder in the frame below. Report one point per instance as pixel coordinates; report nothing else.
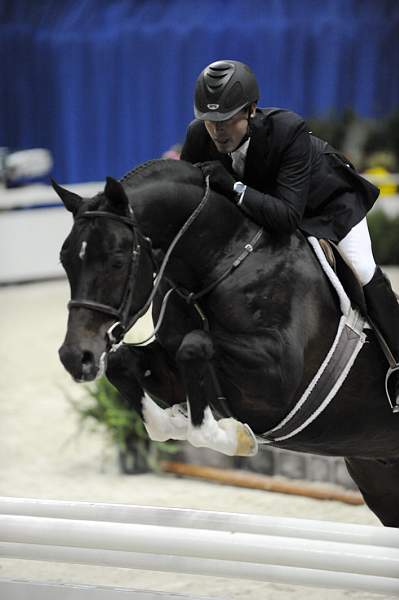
(281, 117)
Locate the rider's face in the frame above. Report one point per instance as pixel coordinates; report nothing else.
(227, 135)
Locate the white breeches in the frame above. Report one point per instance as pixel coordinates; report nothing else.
(356, 248)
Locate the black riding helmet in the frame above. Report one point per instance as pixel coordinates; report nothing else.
(223, 89)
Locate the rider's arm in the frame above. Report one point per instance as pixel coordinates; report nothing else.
(283, 210)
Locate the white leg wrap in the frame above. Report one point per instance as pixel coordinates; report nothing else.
(164, 424)
(227, 436)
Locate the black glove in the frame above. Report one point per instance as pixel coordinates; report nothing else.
(220, 179)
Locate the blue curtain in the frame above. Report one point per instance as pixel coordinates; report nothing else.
(107, 84)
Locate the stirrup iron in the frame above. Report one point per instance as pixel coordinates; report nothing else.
(393, 366)
(393, 402)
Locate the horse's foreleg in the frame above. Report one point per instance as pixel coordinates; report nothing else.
(226, 435)
(135, 371)
(122, 371)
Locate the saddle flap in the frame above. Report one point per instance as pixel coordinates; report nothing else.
(345, 274)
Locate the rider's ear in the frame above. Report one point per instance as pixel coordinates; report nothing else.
(116, 195)
(71, 201)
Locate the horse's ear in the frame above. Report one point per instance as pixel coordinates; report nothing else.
(71, 200)
(116, 195)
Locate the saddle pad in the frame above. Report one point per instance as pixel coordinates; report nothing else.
(333, 371)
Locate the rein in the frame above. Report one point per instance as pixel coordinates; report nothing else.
(123, 324)
(192, 297)
(169, 251)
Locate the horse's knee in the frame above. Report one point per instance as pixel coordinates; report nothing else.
(196, 345)
(193, 356)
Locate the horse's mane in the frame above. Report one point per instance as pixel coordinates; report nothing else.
(174, 170)
(153, 170)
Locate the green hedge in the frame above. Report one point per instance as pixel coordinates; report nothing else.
(384, 232)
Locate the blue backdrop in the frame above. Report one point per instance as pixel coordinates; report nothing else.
(107, 84)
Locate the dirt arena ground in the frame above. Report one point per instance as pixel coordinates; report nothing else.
(42, 455)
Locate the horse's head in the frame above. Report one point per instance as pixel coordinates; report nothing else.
(109, 268)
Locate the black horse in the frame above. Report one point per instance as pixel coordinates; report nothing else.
(246, 326)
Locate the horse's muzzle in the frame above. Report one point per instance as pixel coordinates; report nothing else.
(82, 363)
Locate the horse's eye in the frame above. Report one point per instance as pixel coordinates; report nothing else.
(117, 262)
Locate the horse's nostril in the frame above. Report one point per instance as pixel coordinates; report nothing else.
(81, 364)
(87, 358)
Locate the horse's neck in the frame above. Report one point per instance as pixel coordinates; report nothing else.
(163, 216)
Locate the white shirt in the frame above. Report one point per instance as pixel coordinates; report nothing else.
(238, 157)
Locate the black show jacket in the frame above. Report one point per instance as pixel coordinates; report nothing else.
(295, 180)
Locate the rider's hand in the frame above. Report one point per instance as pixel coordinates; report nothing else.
(220, 179)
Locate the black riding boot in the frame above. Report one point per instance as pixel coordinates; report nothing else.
(383, 309)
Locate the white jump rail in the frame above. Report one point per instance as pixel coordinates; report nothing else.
(301, 552)
(16, 589)
(201, 519)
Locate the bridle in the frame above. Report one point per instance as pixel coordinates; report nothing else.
(123, 322)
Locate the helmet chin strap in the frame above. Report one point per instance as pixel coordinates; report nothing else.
(246, 136)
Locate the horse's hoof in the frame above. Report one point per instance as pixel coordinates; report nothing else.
(247, 444)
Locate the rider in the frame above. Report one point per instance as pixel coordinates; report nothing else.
(267, 162)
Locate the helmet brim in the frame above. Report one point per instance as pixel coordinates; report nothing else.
(214, 115)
